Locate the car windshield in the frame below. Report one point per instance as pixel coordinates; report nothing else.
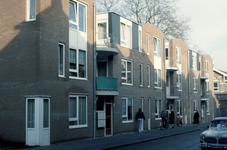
(219, 123)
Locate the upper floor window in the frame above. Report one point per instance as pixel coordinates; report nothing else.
(148, 76)
(102, 30)
(167, 53)
(140, 41)
(157, 78)
(179, 108)
(127, 104)
(216, 85)
(195, 85)
(31, 10)
(157, 47)
(178, 55)
(126, 72)
(77, 63)
(61, 60)
(179, 82)
(158, 108)
(141, 74)
(126, 35)
(77, 16)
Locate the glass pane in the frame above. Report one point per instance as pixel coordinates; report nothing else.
(159, 48)
(159, 78)
(102, 69)
(60, 60)
(122, 31)
(72, 59)
(71, 123)
(148, 76)
(73, 107)
(102, 30)
(45, 113)
(82, 18)
(31, 113)
(129, 72)
(129, 109)
(32, 9)
(129, 36)
(141, 74)
(123, 69)
(167, 53)
(72, 15)
(82, 111)
(155, 49)
(123, 107)
(82, 64)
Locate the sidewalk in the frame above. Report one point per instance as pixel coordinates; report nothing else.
(103, 143)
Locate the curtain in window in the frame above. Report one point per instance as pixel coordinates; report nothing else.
(129, 72)
(128, 36)
(82, 111)
(31, 113)
(72, 59)
(155, 76)
(82, 18)
(32, 9)
(82, 63)
(101, 30)
(73, 107)
(45, 113)
(129, 109)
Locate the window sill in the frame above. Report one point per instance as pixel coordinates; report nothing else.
(127, 121)
(158, 118)
(70, 77)
(61, 76)
(30, 20)
(126, 84)
(74, 127)
(160, 88)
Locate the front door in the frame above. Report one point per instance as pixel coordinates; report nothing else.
(108, 119)
(37, 121)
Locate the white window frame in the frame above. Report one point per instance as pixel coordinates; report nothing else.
(208, 107)
(178, 55)
(29, 11)
(141, 74)
(126, 110)
(195, 88)
(77, 118)
(158, 113)
(126, 35)
(157, 48)
(140, 40)
(126, 72)
(194, 60)
(102, 35)
(195, 105)
(76, 5)
(147, 43)
(148, 76)
(77, 65)
(63, 60)
(179, 108)
(218, 84)
(158, 81)
(179, 81)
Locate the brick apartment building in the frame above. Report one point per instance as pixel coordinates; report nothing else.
(67, 73)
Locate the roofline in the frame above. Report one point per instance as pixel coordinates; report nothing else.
(219, 71)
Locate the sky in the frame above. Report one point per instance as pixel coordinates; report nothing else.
(209, 27)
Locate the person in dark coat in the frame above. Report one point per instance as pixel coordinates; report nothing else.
(196, 118)
(171, 118)
(140, 116)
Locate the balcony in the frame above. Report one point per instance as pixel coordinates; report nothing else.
(106, 86)
(204, 74)
(105, 44)
(205, 95)
(171, 64)
(172, 92)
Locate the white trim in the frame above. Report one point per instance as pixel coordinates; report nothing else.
(148, 44)
(141, 74)
(62, 60)
(28, 11)
(126, 74)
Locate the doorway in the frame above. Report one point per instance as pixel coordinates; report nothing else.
(37, 121)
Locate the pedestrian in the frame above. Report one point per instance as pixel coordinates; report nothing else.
(196, 118)
(171, 118)
(164, 118)
(140, 116)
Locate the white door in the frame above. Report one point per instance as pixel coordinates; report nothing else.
(37, 121)
(141, 106)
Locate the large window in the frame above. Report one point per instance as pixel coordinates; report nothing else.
(141, 74)
(195, 85)
(77, 111)
(77, 16)
(157, 80)
(31, 10)
(158, 108)
(179, 82)
(147, 43)
(126, 35)
(127, 104)
(157, 47)
(179, 108)
(77, 63)
(61, 60)
(148, 76)
(102, 30)
(126, 71)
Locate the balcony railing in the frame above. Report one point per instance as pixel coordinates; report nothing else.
(106, 40)
(106, 84)
(204, 74)
(205, 94)
(172, 91)
(171, 63)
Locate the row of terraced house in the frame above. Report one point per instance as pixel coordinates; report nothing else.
(67, 73)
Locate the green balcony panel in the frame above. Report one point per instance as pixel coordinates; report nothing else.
(106, 83)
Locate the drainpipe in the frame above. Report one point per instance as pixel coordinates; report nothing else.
(94, 71)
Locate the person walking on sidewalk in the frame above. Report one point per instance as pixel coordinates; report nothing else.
(171, 118)
(140, 116)
(164, 118)
(196, 118)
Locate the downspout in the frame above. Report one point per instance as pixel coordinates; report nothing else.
(94, 71)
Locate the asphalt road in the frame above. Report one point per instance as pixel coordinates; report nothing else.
(188, 141)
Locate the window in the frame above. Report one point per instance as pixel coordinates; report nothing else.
(206, 67)
(140, 41)
(126, 35)
(178, 55)
(127, 109)
(77, 111)
(179, 82)
(167, 53)
(194, 60)
(158, 108)
(141, 74)
(77, 63)
(147, 43)
(216, 84)
(77, 17)
(195, 85)
(102, 30)
(61, 60)
(157, 47)
(31, 10)
(179, 108)
(126, 71)
(157, 80)
(148, 76)
(208, 107)
(195, 105)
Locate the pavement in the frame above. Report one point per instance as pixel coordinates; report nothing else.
(119, 140)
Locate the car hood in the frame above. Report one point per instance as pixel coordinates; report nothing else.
(216, 132)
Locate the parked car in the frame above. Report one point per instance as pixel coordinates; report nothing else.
(216, 135)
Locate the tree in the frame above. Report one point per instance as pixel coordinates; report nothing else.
(106, 5)
(198, 49)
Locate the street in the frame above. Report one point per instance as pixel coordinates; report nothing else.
(187, 141)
